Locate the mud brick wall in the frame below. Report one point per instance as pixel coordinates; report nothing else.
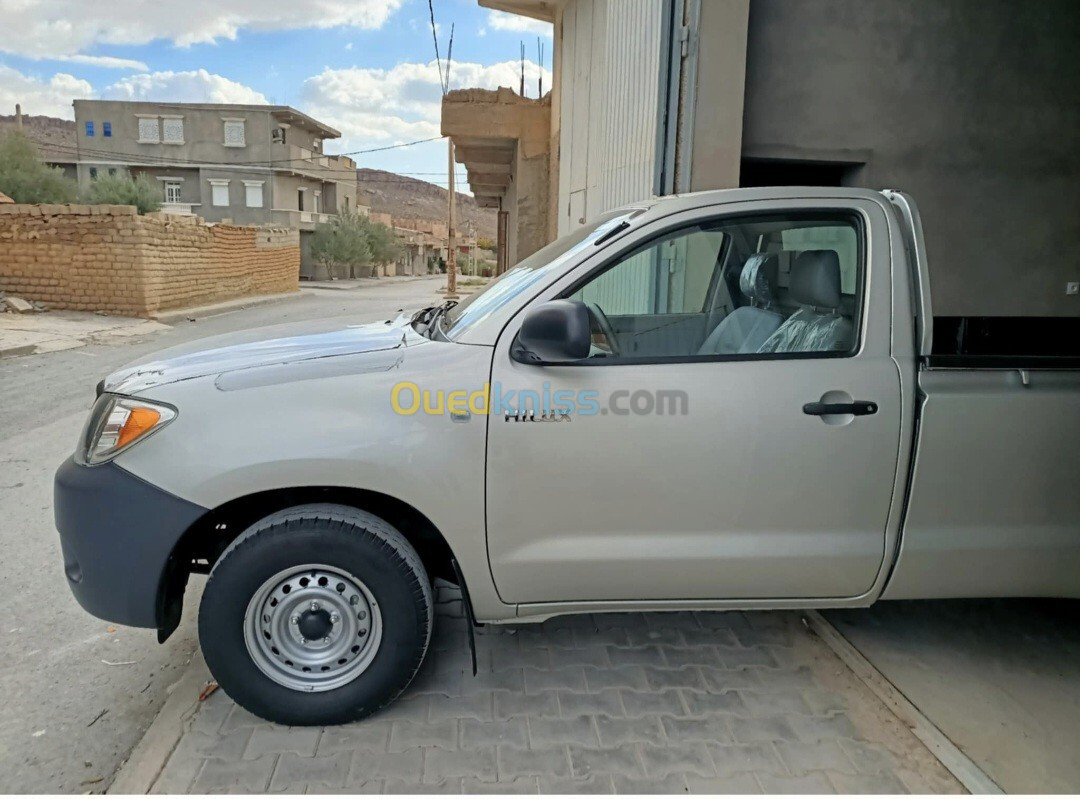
(107, 258)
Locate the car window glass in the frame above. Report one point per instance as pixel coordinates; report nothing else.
(742, 287)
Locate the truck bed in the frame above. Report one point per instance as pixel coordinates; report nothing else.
(994, 492)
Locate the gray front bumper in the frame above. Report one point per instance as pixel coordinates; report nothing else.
(117, 533)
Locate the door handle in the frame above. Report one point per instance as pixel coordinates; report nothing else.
(856, 408)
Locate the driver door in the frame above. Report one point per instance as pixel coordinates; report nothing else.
(681, 476)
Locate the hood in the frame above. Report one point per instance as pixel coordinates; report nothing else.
(266, 346)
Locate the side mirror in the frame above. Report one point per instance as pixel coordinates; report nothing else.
(553, 332)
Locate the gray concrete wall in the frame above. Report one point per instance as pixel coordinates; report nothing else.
(204, 132)
(237, 210)
(718, 121)
(970, 105)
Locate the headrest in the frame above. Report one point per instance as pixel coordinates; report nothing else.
(815, 279)
(758, 277)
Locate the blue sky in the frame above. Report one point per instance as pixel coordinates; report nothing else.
(363, 66)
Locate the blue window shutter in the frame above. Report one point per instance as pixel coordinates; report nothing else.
(106, 129)
(89, 128)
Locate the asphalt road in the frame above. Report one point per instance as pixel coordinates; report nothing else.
(76, 693)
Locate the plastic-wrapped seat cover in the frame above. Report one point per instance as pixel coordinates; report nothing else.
(815, 282)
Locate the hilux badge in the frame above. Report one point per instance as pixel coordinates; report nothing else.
(533, 416)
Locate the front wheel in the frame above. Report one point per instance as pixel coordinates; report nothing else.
(319, 614)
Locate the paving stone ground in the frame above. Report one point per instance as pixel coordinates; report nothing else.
(608, 703)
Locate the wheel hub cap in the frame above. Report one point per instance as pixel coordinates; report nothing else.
(315, 624)
(313, 628)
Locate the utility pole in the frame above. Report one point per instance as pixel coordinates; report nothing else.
(451, 237)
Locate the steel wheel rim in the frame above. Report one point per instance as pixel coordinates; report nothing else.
(313, 628)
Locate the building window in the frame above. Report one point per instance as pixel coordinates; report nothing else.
(253, 193)
(148, 130)
(316, 205)
(172, 192)
(89, 128)
(234, 133)
(112, 171)
(106, 129)
(172, 130)
(219, 192)
(300, 199)
(93, 173)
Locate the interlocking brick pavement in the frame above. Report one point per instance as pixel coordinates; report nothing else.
(617, 703)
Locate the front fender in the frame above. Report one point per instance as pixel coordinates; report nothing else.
(265, 432)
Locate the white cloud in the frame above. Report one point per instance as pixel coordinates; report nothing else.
(105, 61)
(403, 103)
(50, 97)
(51, 28)
(198, 86)
(503, 21)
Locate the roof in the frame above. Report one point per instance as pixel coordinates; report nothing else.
(543, 10)
(284, 113)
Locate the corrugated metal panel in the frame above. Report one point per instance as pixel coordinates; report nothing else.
(609, 104)
(631, 100)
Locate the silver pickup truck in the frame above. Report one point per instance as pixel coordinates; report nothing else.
(730, 399)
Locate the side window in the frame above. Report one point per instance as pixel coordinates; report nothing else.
(655, 298)
(744, 287)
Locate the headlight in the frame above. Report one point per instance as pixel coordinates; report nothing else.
(117, 423)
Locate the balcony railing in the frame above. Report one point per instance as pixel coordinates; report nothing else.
(303, 161)
(181, 209)
(304, 220)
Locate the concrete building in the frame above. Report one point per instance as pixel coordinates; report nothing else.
(506, 142)
(249, 164)
(970, 105)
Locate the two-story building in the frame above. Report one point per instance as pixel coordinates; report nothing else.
(248, 164)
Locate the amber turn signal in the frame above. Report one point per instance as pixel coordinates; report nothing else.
(140, 420)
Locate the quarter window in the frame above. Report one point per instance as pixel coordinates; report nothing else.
(172, 192)
(743, 287)
(106, 129)
(89, 128)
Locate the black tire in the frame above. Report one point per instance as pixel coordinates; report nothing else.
(352, 540)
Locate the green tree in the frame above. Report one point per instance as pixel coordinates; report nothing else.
(122, 189)
(341, 242)
(25, 178)
(485, 243)
(386, 247)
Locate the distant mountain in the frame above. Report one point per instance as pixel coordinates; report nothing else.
(408, 198)
(55, 138)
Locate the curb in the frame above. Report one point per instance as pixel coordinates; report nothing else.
(22, 349)
(173, 316)
(143, 766)
(963, 768)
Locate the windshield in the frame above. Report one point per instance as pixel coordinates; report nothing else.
(526, 273)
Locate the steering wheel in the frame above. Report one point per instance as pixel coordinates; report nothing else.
(606, 329)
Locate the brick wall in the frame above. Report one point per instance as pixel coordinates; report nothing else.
(105, 257)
